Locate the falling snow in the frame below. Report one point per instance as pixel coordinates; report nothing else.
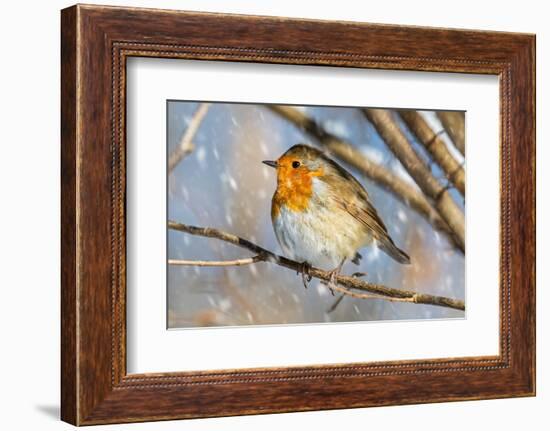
(225, 304)
(400, 171)
(322, 290)
(201, 156)
(253, 270)
(262, 194)
(374, 154)
(233, 184)
(402, 216)
(373, 254)
(264, 148)
(338, 128)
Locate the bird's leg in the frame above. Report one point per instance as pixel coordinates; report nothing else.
(337, 302)
(333, 279)
(306, 276)
(334, 274)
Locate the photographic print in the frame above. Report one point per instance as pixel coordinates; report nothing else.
(281, 214)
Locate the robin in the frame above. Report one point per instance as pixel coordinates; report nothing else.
(322, 215)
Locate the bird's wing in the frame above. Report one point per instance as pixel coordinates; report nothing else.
(363, 211)
(350, 196)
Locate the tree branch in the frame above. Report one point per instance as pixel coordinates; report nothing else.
(347, 292)
(346, 283)
(186, 145)
(236, 262)
(347, 153)
(453, 123)
(436, 147)
(390, 132)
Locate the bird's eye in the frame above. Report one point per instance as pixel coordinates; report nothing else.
(295, 164)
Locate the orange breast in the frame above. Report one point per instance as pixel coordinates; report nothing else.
(294, 190)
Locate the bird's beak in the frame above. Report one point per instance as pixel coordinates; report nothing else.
(271, 163)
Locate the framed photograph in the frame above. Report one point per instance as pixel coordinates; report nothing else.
(265, 215)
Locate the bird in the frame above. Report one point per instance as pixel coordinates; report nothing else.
(322, 215)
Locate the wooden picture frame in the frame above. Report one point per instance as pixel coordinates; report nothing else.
(95, 43)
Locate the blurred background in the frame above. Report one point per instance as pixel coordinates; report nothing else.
(219, 181)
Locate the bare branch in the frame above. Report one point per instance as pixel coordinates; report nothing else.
(186, 145)
(347, 292)
(453, 123)
(345, 282)
(397, 142)
(236, 262)
(335, 304)
(347, 153)
(436, 147)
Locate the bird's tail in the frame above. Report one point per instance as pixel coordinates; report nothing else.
(388, 246)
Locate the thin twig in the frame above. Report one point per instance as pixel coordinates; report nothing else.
(357, 295)
(236, 262)
(345, 281)
(335, 304)
(454, 125)
(436, 147)
(186, 145)
(347, 153)
(397, 142)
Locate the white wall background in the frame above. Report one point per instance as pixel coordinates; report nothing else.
(29, 216)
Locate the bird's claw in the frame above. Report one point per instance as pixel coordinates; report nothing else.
(333, 275)
(306, 276)
(332, 280)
